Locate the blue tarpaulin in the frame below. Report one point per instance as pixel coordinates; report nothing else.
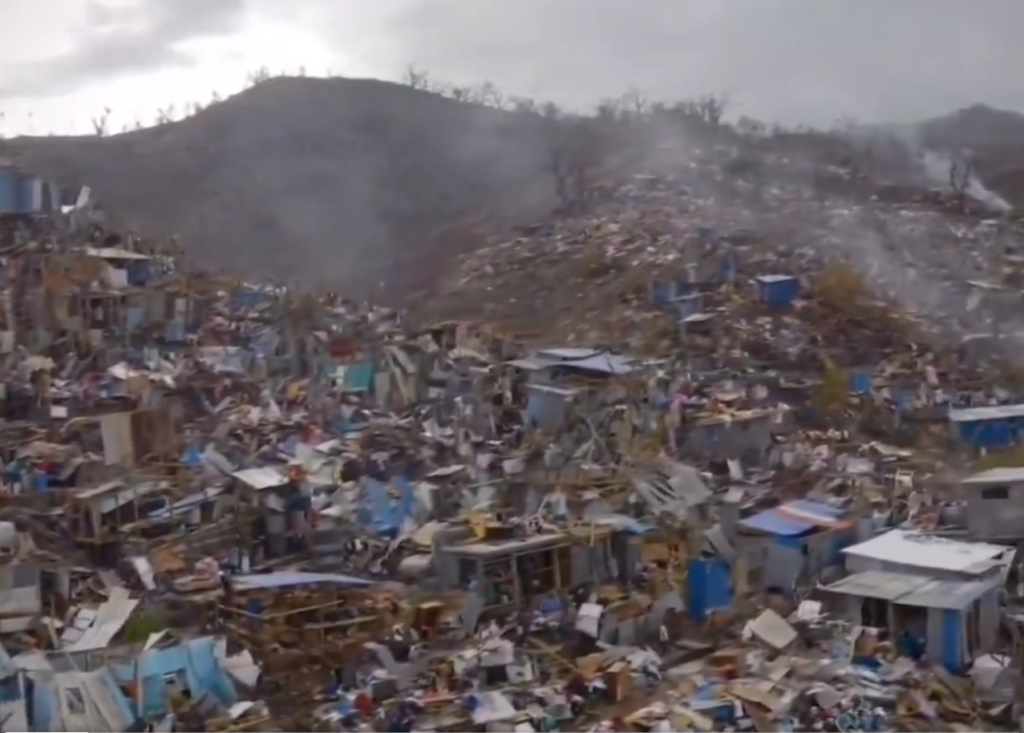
(139, 272)
(383, 512)
(358, 378)
(773, 522)
(860, 382)
(709, 585)
(192, 457)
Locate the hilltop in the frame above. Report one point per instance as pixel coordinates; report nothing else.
(327, 179)
(349, 181)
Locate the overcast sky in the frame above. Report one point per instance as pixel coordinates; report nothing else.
(807, 61)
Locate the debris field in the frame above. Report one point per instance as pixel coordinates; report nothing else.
(710, 453)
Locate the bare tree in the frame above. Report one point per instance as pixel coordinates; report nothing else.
(575, 154)
(489, 94)
(101, 124)
(524, 105)
(460, 93)
(749, 126)
(961, 170)
(558, 158)
(165, 115)
(417, 79)
(711, 108)
(258, 76)
(634, 103)
(609, 110)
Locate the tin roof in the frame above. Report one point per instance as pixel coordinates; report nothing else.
(911, 590)
(996, 476)
(928, 552)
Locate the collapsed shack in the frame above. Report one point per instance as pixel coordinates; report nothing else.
(509, 573)
(284, 617)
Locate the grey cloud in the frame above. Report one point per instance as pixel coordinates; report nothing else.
(127, 41)
(791, 60)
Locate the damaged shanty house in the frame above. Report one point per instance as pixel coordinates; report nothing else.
(281, 617)
(930, 595)
(139, 515)
(60, 291)
(104, 685)
(557, 378)
(993, 505)
(509, 571)
(782, 548)
(274, 511)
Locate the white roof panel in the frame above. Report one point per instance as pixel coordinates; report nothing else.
(994, 412)
(925, 551)
(996, 476)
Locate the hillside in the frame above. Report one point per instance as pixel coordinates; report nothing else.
(996, 140)
(345, 181)
(310, 178)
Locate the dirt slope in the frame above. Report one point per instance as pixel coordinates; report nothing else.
(329, 179)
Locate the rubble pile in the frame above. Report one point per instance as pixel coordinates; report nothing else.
(770, 484)
(917, 249)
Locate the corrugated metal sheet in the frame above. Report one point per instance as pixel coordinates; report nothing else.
(993, 412)
(110, 617)
(115, 253)
(912, 590)
(590, 359)
(938, 553)
(876, 584)
(953, 595)
(996, 476)
(287, 578)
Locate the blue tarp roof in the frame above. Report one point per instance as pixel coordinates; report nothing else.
(382, 512)
(776, 523)
(793, 518)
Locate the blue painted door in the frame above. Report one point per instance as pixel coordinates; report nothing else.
(952, 633)
(8, 191)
